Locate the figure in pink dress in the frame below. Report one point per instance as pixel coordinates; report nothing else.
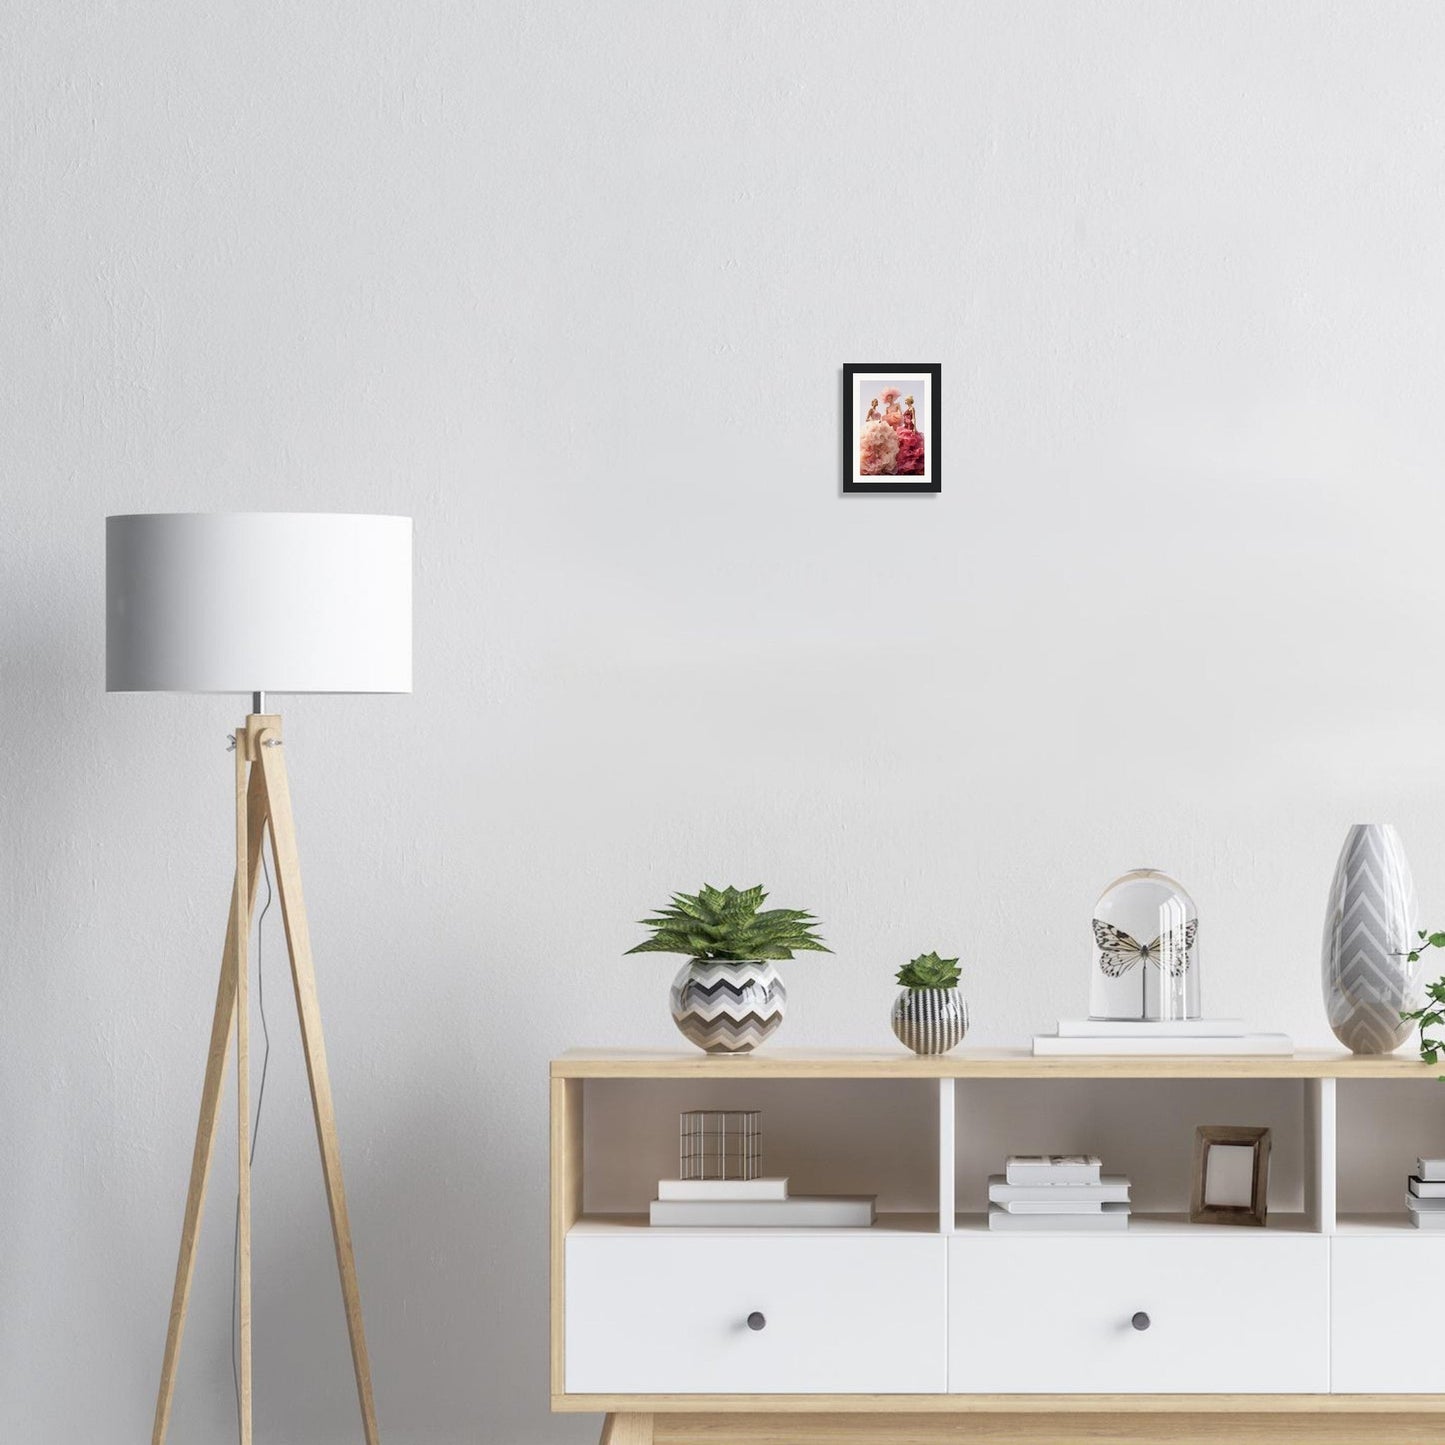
(872, 411)
(910, 420)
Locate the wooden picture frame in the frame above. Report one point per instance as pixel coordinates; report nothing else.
(1210, 1202)
(906, 397)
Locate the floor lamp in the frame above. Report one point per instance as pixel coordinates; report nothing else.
(257, 603)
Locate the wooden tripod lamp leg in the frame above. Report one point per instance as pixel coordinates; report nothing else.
(210, 1102)
(303, 977)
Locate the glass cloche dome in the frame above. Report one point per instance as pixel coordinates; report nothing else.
(1146, 950)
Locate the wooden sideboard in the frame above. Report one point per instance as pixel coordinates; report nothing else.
(1320, 1327)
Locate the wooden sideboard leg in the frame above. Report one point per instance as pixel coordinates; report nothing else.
(627, 1430)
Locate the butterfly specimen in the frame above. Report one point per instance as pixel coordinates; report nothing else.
(1118, 952)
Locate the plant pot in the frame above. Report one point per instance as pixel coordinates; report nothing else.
(728, 1008)
(1370, 925)
(929, 1020)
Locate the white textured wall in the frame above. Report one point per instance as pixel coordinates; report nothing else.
(572, 284)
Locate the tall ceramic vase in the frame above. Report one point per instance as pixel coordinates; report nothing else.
(1369, 928)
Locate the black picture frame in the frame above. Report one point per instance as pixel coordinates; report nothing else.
(932, 479)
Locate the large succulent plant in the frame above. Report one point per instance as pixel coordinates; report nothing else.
(729, 925)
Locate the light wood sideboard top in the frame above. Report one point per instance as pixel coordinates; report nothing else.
(976, 1063)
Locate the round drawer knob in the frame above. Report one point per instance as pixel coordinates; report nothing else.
(1141, 1321)
(757, 1320)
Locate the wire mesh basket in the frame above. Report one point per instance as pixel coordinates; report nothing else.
(720, 1144)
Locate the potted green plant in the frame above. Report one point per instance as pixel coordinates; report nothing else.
(929, 1014)
(728, 997)
(1431, 1015)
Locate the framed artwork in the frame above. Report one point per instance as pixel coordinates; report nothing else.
(1231, 1175)
(891, 414)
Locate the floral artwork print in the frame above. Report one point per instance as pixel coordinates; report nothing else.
(890, 444)
(891, 420)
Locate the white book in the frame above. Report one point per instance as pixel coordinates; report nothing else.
(718, 1189)
(1432, 1171)
(1426, 1188)
(1428, 1221)
(1425, 1206)
(843, 1211)
(1074, 1207)
(1151, 1028)
(1052, 1169)
(1111, 1189)
(1280, 1045)
(1109, 1217)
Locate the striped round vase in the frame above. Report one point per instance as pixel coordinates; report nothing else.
(1370, 927)
(728, 1008)
(930, 1020)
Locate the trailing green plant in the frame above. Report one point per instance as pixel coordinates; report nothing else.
(730, 925)
(1432, 1015)
(928, 970)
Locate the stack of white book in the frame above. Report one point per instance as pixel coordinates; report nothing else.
(1041, 1192)
(1425, 1194)
(1142, 1037)
(757, 1203)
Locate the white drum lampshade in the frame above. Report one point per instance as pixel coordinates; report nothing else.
(257, 602)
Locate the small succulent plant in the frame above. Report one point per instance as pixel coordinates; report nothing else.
(729, 925)
(928, 970)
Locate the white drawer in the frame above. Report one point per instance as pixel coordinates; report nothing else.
(1242, 1313)
(1384, 1314)
(667, 1313)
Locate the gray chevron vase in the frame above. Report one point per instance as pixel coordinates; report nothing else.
(1369, 928)
(728, 1008)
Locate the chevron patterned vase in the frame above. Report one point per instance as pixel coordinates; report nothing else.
(1369, 928)
(728, 1008)
(929, 1020)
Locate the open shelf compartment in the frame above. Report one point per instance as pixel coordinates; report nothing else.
(826, 1136)
(1145, 1134)
(1384, 1125)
